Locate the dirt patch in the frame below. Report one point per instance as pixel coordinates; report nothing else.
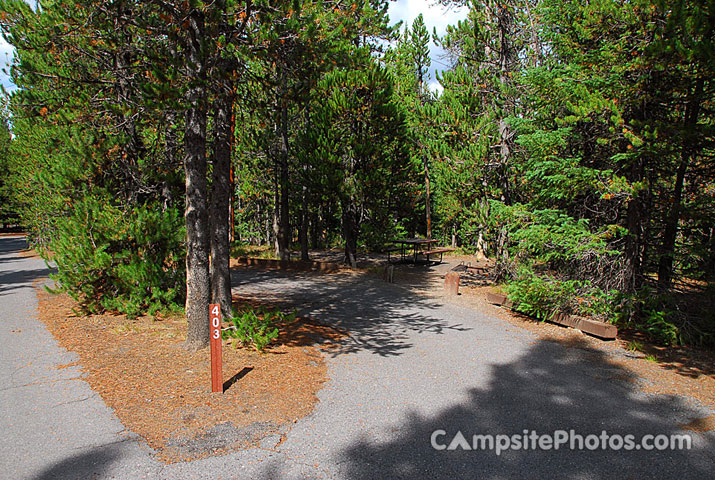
(162, 392)
(29, 253)
(701, 425)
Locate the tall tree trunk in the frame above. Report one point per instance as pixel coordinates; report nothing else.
(428, 200)
(505, 23)
(304, 219)
(710, 262)
(428, 210)
(314, 230)
(633, 277)
(276, 214)
(350, 231)
(268, 228)
(231, 209)
(638, 215)
(197, 236)
(505, 136)
(670, 233)
(304, 255)
(220, 201)
(232, 188)
(284, 227)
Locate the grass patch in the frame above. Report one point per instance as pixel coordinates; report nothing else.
(634, 346)
(253, 251)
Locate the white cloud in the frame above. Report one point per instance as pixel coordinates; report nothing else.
(436, 87)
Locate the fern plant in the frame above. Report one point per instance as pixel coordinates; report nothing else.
(256, 328)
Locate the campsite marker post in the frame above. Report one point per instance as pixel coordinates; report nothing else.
(216, 356)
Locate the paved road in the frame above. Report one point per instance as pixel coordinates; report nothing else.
(53, 425)
(411, 367)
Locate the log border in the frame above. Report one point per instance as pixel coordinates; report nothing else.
(598, 329)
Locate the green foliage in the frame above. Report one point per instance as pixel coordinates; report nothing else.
(256, 328)
(550, 239)
(556, 264)
(651, 358)
(573, 140)
(241, 250)
(542, 296)
(610, 116)
(669, 319)
(536, 296)
(356, 149)
(93, 178)
(653, 314)
(131, 262)
(660, 328)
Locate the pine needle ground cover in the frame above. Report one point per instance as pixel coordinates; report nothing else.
(161, 392)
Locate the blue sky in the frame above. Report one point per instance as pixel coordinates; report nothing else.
(5, 58)
(406, 10)
(435, 16)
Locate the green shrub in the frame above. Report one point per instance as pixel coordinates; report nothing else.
(533, 295)
(256, 327)
(110, 259)
(542, 296)
(635, 346)
(253, 251)
(658, 326)
(653, 314)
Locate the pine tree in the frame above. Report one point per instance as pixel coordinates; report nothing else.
(357, 141)
(80, 166)
(614, 137)
(410, 62)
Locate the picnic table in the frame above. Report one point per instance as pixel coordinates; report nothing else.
(419, 246)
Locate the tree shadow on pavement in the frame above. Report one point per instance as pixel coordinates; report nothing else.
(552, 387)
(12, 244)
(92, 464)
(379, 317)
(13, 280)
(11, 277)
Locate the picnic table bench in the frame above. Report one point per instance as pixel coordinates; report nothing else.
(435, 251)
(415, 244)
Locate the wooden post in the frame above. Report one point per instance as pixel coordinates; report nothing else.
(216, 356)
(451, 283)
